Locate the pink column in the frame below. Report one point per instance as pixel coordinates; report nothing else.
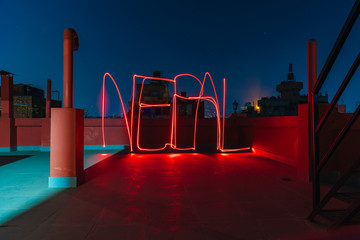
(71, 43)
(67, 128)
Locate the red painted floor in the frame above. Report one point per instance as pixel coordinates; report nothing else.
(175, 196)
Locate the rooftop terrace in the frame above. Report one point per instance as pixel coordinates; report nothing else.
(156, 196)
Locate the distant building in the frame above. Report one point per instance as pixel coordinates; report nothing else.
(157, 92)
(248, 110)
(287, 103)
(29, 102)
(187, 108)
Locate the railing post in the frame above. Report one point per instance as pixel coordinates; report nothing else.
(313, 119)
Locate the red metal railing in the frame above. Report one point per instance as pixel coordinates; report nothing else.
(315, 125)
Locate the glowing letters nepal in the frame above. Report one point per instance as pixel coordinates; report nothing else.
(173, 137)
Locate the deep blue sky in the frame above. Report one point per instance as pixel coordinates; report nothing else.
(250, 43)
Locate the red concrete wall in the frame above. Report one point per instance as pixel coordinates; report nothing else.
(28, 131)
(276, 135)
(8, 138)
(115, 132)
(282, 138)
(36, 132)
(303, 166)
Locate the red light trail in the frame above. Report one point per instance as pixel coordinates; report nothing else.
(173, 134)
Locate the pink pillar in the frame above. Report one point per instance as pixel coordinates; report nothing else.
(67, 128)
(71, 43)
(67, 147)
(48, 98)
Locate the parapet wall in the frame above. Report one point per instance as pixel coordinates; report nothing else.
(284, 139)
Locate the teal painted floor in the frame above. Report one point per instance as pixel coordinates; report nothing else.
(24, 183)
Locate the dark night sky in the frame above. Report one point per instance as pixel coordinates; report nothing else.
(250, 43)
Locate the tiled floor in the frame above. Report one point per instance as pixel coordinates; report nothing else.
(171, 196)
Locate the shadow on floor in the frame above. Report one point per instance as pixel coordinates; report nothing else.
(11, 158)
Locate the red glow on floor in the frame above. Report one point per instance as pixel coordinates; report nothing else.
(154, 196)
(104, 154)
(173, 132)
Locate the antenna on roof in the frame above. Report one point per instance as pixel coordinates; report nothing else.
(290, 75)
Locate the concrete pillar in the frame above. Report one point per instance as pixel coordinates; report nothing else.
(66, 147)
(48, 98)
(67, 128)
(71, 44)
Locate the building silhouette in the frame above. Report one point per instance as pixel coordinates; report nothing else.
(157, 92)
(29, 101)
(287, 103)
(187, 108)
(154, 92)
